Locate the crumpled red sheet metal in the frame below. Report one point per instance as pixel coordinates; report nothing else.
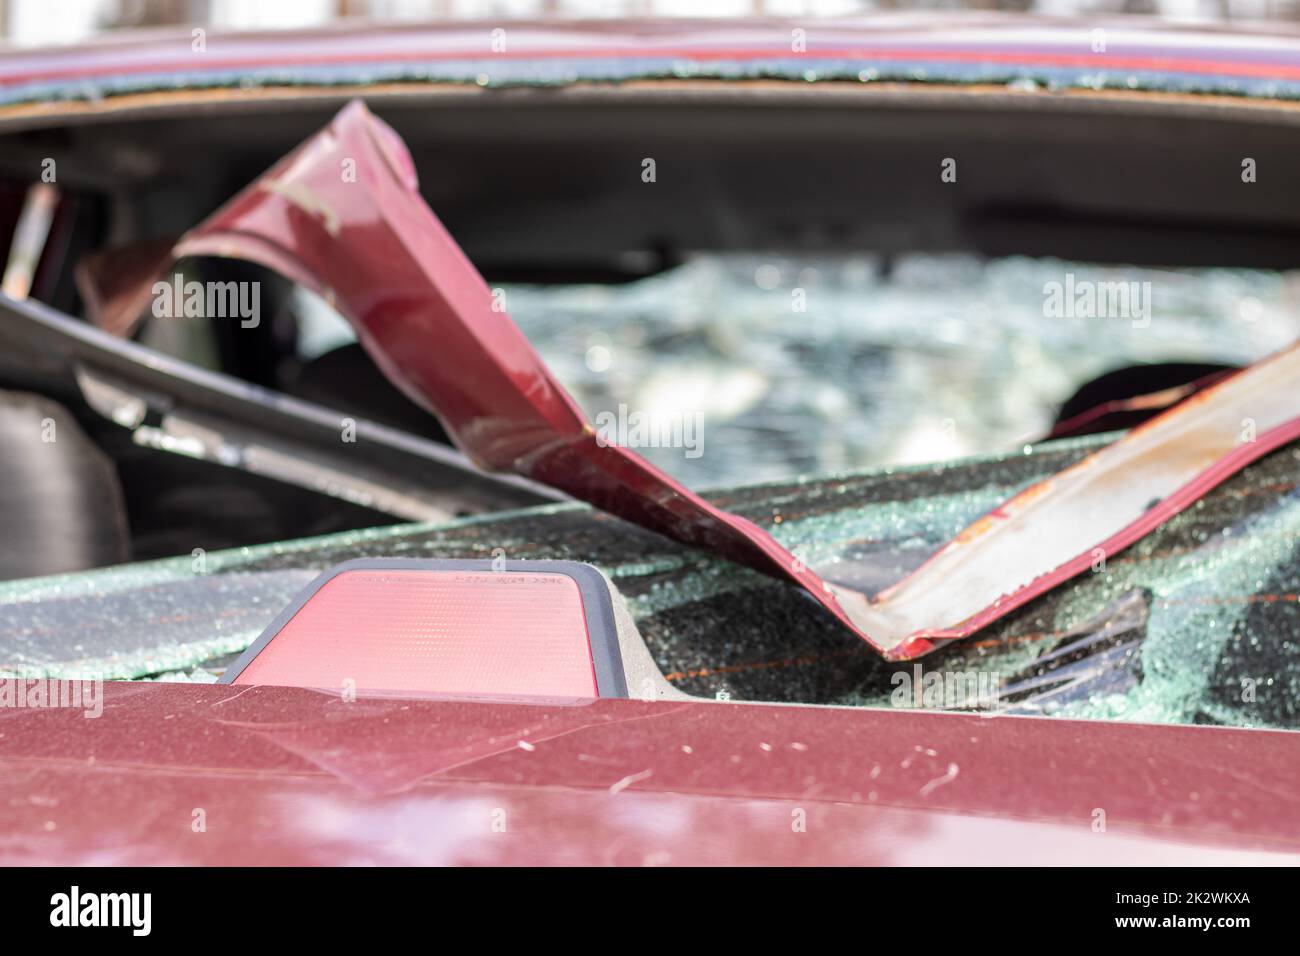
(342, 215)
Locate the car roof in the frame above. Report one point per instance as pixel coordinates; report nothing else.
(975, 48)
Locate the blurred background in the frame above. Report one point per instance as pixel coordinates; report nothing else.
(30, 22)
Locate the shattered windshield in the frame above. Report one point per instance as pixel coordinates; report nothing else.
(1194, 624)
(817, 365)
(922, 358)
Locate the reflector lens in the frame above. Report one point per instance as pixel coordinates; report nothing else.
(463, 632)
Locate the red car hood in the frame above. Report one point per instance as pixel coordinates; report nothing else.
(173, 774)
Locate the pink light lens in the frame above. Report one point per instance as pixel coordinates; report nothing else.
(457, 632)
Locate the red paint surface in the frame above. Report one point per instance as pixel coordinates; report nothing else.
(288, 776)
(490, 634)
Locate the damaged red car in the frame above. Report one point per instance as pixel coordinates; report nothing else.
(714, 442)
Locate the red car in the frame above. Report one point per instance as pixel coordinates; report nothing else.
(739, 694)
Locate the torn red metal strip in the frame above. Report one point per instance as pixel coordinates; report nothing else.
(342, 215)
